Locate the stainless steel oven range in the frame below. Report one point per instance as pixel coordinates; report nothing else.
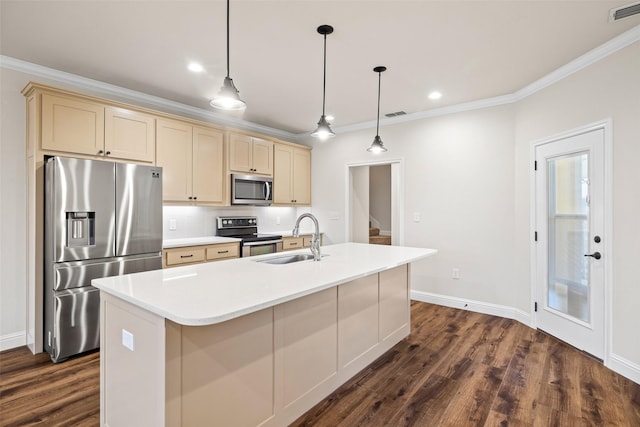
(246, 229)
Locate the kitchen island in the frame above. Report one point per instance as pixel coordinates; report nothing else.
(244, 342)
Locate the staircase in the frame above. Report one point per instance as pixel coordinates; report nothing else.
(376, 239)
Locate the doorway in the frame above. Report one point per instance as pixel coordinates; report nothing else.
(360, 194)
(572, 248)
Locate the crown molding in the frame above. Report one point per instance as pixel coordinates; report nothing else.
(136, 97)
(619, 42)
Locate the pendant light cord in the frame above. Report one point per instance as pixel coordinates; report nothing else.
(378, 121)
(324, 75)
(227, 38)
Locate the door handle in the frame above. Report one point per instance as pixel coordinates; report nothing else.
(595, 255)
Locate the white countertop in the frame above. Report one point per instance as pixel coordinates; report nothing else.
(195, 241)
(209, 293)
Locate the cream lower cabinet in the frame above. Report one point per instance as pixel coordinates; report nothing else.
(250, 155)
(291, 175)
(302, 241)
(265, 368)
(174, 257)
(192, 162)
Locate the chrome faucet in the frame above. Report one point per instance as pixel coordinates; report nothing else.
(315, 240)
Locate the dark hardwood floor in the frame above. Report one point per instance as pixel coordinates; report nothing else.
(458, 368)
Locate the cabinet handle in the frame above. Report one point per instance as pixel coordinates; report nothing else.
(223, 252)
(108, 153)
(100, 152)
(294, 243)
(186, 256)
(195, 198)
(190, 198)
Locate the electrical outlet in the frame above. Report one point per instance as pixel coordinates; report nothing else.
(277, 220)
(172, 224)
(455, 273)
(416, 217)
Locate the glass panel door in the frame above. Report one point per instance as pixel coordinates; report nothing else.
(568, 234)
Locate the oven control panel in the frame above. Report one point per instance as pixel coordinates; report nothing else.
(236, 222)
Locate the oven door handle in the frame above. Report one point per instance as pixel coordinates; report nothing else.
(265, 242)
(267, 190)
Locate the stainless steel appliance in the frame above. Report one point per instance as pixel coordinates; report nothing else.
(101, 219)
(246, 229)
(251, 190)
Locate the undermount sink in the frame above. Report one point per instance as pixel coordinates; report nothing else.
(287, 259)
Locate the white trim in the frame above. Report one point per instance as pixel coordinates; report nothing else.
(475, 306)
(624, 367)
(607, 126)
(108, 90)
(13, 340)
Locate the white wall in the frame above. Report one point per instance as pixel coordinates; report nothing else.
(13, 226)
(458, 174)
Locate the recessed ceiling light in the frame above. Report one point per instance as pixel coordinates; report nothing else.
(329, 117)
(435, 95)
(195, 67)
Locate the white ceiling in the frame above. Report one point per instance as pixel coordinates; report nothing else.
(468, 50)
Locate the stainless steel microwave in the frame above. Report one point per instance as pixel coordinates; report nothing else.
(251, 190)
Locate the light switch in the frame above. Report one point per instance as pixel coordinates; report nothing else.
(172, 224)
(416, 217)
(127, 339)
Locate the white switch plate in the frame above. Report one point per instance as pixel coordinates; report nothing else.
(277, 220)
(416, 217)
(455, 273)
(172, 224)
(127, 339)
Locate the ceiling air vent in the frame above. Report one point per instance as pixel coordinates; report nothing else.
(624, 11)
(397, 113)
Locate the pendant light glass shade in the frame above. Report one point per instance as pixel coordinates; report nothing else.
(323, 131)
(377, 146)
(229, 97)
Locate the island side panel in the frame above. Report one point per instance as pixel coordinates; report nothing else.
(395, 303)
(132, 365)
(228, 372)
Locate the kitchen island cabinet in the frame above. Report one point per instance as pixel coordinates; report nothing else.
(243, 342)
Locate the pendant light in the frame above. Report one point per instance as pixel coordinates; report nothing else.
(377, 146)
(228, 98)
(323, 131)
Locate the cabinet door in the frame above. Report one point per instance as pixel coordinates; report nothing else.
(174, 153)
(301, 177)
(129, 135)
(262, 156)
(72, 126)
(283, 165)
(208, 170)
(240, 153)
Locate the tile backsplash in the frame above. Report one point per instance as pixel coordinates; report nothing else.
(198, 221)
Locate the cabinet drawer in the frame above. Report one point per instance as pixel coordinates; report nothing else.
(226, 250)
(292, 243)
(185, 256)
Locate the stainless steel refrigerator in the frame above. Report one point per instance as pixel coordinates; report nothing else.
(101, 219)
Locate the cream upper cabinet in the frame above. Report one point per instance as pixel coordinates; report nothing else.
(79, 126)
(72, 125)
(192, 162)
(250, 155)
(208, 161)
(292, 175)
(129, 134)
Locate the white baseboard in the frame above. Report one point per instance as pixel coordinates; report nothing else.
(624, 367)
(477, 306)
(16, 339)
